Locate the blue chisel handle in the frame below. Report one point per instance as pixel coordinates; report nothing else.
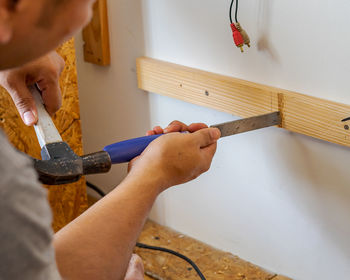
(127, 150)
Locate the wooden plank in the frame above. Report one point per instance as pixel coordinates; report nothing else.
(303, 114)
(96, 36)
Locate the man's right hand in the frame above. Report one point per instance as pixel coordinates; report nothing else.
(45, 72)
(177, 158)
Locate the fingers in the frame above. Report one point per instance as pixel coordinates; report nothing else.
(156, 130)
(24, 102)
(207, 136)
(135, 269)
(58, 61)
(208, 153)
(49, 83)
(196, 126)
(45, 73)
(51, 95)
(176, 126)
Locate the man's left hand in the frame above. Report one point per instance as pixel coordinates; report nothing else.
(45, 72)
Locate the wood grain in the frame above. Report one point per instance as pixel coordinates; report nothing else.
(213, 263)
(67, 201)
(280, 277)
(96, 36)
(301, 113)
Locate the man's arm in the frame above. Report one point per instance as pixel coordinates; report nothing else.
(99, 243)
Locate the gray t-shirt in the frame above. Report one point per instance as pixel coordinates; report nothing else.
(26, 250)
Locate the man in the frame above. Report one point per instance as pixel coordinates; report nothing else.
(99, 243)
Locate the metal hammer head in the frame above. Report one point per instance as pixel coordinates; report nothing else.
(60, 165)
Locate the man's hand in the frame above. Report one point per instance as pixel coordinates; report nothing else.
(45, 72)
(177, 158)
(176, 126)
(135, 269)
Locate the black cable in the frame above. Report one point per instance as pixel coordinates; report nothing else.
(231, 10)
(155, 248)
(95, 188)
(236, 11)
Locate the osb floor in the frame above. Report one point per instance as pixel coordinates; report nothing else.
(214, 264)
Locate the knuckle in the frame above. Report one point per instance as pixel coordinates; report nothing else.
(206, 167)
(59, 63)
(52, 72)
(11, 82)
(175, 122)
(57, 106)
(53, 109)
(22, 102)
(206, 135)
(62, 63)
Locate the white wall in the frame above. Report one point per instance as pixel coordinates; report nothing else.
(112, 107)
(277, 199)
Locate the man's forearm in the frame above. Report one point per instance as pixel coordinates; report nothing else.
(99, 243)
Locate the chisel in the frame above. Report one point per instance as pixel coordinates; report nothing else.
(127, 150)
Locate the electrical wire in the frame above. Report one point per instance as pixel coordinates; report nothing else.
(236, 11)
(231, 10)
(95, 188)
(155, 248)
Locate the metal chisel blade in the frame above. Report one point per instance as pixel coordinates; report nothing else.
(249, 124)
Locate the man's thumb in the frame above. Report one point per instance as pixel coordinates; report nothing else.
(25, 104)
(207, 136)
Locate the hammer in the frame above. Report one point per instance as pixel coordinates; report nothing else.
(61, 165)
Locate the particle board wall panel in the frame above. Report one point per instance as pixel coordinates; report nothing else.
(67, 201)
(301, 113)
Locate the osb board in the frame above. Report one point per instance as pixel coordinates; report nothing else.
(300, 113)
(213, 263)
(67, 201)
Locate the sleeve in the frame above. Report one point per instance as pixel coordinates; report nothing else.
(25, 221)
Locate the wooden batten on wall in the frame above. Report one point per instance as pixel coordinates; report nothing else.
(96, 36)
(300, 113)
